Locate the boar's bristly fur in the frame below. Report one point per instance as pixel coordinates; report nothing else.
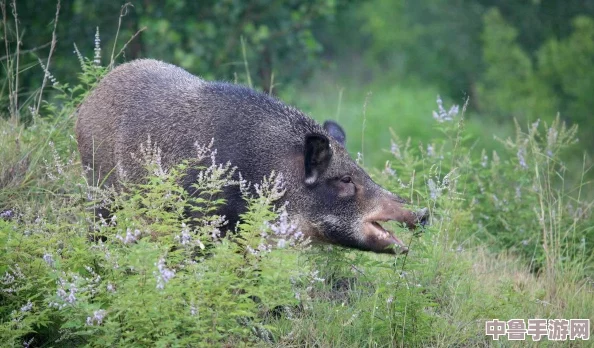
(332, 199)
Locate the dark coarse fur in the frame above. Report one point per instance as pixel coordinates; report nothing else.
(255, 132)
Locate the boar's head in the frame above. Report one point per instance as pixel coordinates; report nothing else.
(341, 204)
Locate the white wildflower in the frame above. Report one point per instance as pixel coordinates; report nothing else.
(388, 169)
(131, 237)
(97, 317)
(521, 159)
(27, 307)
(441, 115)
(184, 237)
(395, 150)
(97, 57)
(430, 151)
(434, 191)
(49, 259)
(164, 275)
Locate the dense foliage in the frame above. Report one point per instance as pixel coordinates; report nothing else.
(209, 38)
(522, 59)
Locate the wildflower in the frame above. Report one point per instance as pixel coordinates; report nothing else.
(442, 115)
(244, 186)
(97, 318)
(272, 187)
(216, 175)
(214, 225)
(284, 226)
(193, 310)
(92, 281)
(165, 274)
(298, 235)
(203, 151)
(496, 159)
(395, 150)
(48, 75)
(521, 153)
(535, 125)
(265, 248)
(7, 279)
(184, 238)
(286, 230)
(251, 250)
(314, 276)
(485, 161)
(6, 214)
(57, 164)
(97, 58)
(130, 237)
(433, 189)
(66, 294)
(388, 169)
(111, 288)
(27, 307)
(359, 159)
(390, 299)
(430, 151)
(281, 243)
(49, 259)
(81, 60)
(551, 140)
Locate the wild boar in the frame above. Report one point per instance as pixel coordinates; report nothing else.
(332, 199)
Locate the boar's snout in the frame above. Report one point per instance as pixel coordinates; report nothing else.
(391, 208)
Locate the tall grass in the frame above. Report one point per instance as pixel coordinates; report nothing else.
(509, 238)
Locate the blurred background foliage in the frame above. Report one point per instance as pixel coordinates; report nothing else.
(513, 59)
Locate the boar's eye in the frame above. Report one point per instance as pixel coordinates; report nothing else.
(346, 179)
(346, 187)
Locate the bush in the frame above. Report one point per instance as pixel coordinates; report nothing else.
(520, 200)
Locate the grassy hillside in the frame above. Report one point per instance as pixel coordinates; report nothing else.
(509, 238)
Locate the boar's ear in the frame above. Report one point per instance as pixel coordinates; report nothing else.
(317, 155)
(336, 131)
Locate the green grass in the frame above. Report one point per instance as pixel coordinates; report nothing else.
(509, 238)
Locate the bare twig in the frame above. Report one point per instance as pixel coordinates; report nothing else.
(7, 50)
(15, 91)
(128, 42)
(6, 57)
(49, 58)
(123, 13)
